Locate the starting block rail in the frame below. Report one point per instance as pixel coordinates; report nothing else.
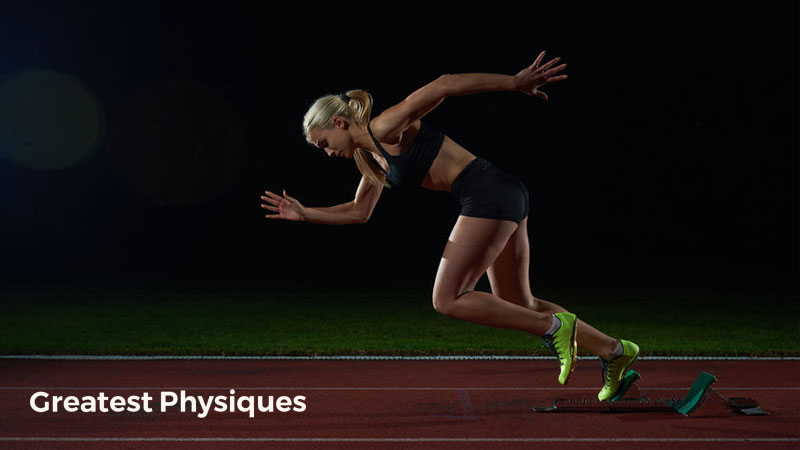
(630, 399)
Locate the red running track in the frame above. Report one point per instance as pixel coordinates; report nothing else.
(397, 404)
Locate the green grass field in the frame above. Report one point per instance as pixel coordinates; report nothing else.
(336, 321)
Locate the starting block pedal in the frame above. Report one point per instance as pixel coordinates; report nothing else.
(628, 387)
(630, 399)
(697, 394)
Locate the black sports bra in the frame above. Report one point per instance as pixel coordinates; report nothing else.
(409, 169)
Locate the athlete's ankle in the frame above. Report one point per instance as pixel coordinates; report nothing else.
(554, 325)
(611, 351)
(618, 350)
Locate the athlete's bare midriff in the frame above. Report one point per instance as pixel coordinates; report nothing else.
(449, 162)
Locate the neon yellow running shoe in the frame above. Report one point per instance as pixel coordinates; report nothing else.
(563, 344)
(614, 370)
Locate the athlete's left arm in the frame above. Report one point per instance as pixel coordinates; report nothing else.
(391, 123)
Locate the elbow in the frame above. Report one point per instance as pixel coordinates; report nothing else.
(359, 216)
(361, 212)
(363, 218)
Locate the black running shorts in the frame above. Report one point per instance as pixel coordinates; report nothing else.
(484, 190)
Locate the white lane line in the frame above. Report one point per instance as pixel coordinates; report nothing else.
(375, 358)
(388, 440)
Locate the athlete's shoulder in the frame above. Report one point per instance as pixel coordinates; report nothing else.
(383, 129)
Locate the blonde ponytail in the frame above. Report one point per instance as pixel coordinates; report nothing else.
(355, 111)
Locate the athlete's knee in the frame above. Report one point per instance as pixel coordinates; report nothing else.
(443, 304)
(446, 303)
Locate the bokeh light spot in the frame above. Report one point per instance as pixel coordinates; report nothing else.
(48, 120)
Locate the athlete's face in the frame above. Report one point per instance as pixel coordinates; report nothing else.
(335, 141)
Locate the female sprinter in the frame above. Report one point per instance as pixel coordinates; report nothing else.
(397, 149)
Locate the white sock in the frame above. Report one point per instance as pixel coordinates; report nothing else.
(618, 351)
(555, 326)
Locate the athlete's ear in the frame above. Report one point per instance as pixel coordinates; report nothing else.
(340, 123)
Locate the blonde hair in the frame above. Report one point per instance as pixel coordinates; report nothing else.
(357, 111)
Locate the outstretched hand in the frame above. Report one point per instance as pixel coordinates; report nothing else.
(286, 207)
(529, 80)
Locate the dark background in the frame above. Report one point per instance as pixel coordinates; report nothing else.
(668, 159)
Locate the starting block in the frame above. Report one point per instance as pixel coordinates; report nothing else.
(630, 399)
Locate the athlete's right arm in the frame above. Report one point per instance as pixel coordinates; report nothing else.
(358, 210)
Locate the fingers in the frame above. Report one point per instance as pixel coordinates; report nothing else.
(287, 196)
(554, 70)
(274, 201)
(547, 64)
(538, 59)
(546, 70)
(274, 196)
(549, 80)
(550, 63)
(271, 208)
(541, 95)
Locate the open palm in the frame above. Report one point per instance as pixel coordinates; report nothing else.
(286, 207)
(530, 79)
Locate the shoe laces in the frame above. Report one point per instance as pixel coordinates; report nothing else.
(606, 366)
(605, 363)
(550, 343)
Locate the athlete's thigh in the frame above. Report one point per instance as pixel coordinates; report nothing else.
(509, 274)
(473, 245)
